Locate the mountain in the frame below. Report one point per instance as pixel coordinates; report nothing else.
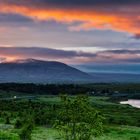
(37, 71)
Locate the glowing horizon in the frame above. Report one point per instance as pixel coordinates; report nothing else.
(70, 31)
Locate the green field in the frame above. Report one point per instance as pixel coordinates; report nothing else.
(111, 133)
(122, 121)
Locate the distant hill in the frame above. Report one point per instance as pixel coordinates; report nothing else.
(116, 77)
(36, 71)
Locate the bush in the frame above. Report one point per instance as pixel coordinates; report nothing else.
(25, 132)
(7, 120)
(18, 124)
(77, 120)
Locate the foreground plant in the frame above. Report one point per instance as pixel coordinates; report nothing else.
(26, 130)
(77, 119)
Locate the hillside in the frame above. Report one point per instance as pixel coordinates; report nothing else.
(36, 71)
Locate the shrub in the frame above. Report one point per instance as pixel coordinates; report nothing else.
(77, 120)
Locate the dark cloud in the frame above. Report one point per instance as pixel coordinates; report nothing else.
(129, 56)
(71, 2)
(137, 36)
(132, 60)
(41, 52)
(122, 51)
(15, 20)
(101, 5)
(84, 2)
(13, 17)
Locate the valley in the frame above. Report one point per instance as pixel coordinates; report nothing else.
(121, 122)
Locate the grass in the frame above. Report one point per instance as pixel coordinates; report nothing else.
(50, 100)
(121, 133)
(8, 136)
(11, 94)
(117, 112)
(100, 101)
(112, 133)
(44, 133)
(7, 132)
(57, 100)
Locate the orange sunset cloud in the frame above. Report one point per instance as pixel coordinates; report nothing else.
(120, 19)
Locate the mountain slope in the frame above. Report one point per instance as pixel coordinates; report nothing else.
(36, 71)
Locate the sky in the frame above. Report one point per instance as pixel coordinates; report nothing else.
(76, 32)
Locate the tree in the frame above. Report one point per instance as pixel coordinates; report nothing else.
(18, 124)
(26, 130)
(25, 133)
(7, 120)
(77, 119)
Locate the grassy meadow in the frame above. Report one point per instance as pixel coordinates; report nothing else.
(121, 121)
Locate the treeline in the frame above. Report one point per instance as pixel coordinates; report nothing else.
(71, 89)
(120, 87)
(44, 89)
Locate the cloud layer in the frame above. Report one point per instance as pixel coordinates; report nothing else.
(112, 26)
(117, 15)
(109, 56)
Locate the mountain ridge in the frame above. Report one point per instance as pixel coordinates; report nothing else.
(40, 71)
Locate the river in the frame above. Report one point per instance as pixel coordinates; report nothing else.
(132, 102)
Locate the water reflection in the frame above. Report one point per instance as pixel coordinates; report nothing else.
(134, 103)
